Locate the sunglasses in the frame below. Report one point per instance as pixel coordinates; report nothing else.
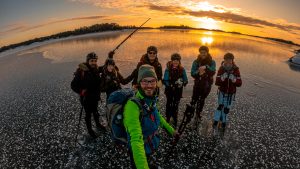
(146, 82)
(152, 53)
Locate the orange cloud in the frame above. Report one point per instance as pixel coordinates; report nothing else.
(224, 16)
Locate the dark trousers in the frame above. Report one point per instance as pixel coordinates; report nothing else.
(173, 98)
(91, 107)
(199, 96)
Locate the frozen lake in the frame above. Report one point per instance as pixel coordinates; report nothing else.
(39, 112)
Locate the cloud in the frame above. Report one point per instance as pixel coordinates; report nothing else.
(25, 27)
(224, 16)
(190, 8)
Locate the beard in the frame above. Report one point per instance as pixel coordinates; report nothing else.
(149, 91)
(94, 66)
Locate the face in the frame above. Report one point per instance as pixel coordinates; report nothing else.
(203, 54)
(110, 68)
(228, 62)
(148, 85)
(175, 63)
(93, 63)
(152, 55)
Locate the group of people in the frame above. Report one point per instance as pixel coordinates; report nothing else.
(147, 78)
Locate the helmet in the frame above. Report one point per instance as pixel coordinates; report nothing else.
(109, 61)
(90, 56)
(228, 56)
(175, 56)
(151, 48)
(204, 48)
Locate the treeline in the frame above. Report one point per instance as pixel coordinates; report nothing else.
(175, 27)
(217, 30)
(80, 31)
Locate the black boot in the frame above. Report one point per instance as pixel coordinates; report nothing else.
(89, 127)
(215, 128)
(223, 127)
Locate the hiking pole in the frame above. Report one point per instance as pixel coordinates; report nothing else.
(130, 35)
(188, 115)
(78, 124)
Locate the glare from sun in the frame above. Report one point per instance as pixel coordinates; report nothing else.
(207, 40)
(207, 23)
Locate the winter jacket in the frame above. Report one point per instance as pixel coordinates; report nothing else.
(207, 77)
(143, 132)
(171, 75)
(89, 80)
(227, 86)
(111, 81)
(145, 60)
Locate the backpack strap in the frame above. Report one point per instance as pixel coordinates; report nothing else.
(138, 102)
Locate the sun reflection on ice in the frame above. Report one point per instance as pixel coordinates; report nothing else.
(207, 40)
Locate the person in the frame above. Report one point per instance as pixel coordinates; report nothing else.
(175, 79)
(228, 78)
(142, 124)
(111, 78)
(203, 70)
(149, 58)
(88, 76)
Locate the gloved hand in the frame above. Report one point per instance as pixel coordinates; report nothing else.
(202, 70)
(111, 54)
(82, 92)
(135, 87)
(176, 135)
(224, 76)
(179, 82)
(232, 78)
(159, 84)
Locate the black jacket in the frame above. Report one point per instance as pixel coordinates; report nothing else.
(88, 79)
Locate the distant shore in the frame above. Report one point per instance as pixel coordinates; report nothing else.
(115, 27)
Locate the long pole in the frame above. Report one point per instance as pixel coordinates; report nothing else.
(78, 124)
(130, 35)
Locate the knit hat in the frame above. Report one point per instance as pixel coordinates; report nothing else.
(204, 48)
(146, 71)
(228, 56)
(175, 56)
(90, 56)
(151, 48)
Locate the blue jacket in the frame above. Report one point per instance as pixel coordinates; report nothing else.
(171, 77)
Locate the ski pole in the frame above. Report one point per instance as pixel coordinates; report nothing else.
(130, 35)
(78, 124)
(188, 115)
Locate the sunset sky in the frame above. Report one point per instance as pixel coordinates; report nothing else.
(23, 20)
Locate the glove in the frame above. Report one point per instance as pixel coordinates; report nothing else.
(135, 87)
(179, 83)
(176, 135)
(111, 54)
(202, 70)
(82, 92)
(232, 78)
(159, 84)
(224, 76)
